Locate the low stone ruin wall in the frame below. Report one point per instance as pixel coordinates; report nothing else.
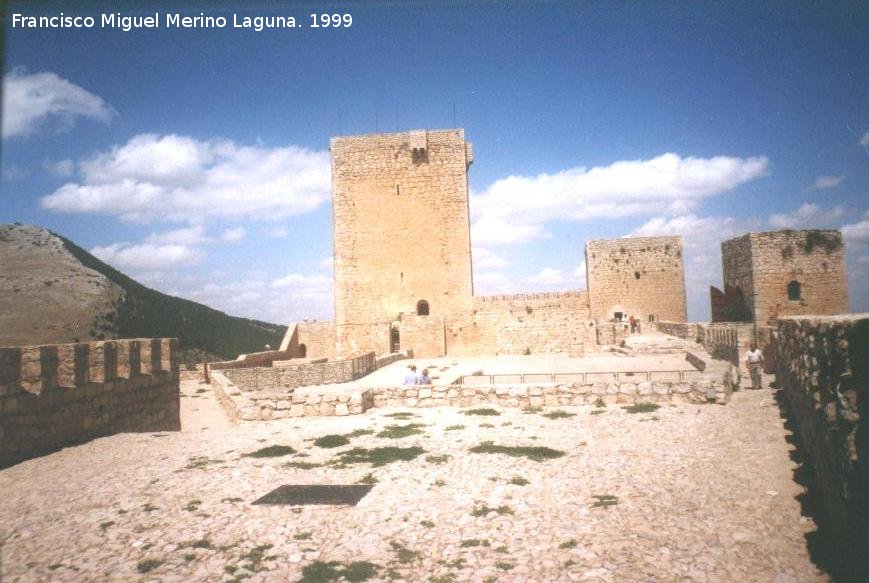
(252, 360)
(822, 367)
(58, 395)
(329, 401)
(301, 374)
(678, 329)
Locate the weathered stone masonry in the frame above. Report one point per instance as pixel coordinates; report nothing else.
(823, 371)
(57, 395)
(401, 232)
(781, 273)
(636, 276)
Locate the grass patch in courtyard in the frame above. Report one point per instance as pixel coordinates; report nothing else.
(379, 456)
(642, 408)
(604, 500)
(200, 461)
(402, 415)
(437, 459)
(558, 415)
(537, 454)
(302, 465)
(399, 431)
(484, 411)
(323, 572)
(485, 509)
(404, 554)
(329, 441)
(148, 565)
(270, 451)
(367, 479)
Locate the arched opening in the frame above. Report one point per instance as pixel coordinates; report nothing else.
(394, 340)
(794, 291)
(303, 351)
(422, 308)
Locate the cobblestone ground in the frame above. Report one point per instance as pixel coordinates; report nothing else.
(683, 493)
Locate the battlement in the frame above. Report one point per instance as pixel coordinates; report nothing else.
(62, 394)
(555, 295)
(35, 369)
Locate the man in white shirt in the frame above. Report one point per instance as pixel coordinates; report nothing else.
(412, 377)
(754, 362)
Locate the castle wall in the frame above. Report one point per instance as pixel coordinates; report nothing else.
(637, 276)
(58, 395)
(290, 375)
(815, 259)
(822, 367)
(401, 232)
(318, 339)
(523, 324)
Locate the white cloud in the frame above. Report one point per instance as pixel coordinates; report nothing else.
(148, 256)
(234, 234)
(62, 168)
(190, 236)
(548, 276)
(489, 230)
(857, 233)
(276, 232)
(515, 209)
(581, 274)
(823, 182)
(30, 98)
(491, 283)
(808, 215)
(486, 259)
(183, 179)
(865, 140)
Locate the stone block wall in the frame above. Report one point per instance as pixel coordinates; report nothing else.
(401, 231)
(320, 402)
(523, 324)
(265, 358)
(678, 329)
(762, 266)
(422, 335)
(58, 395)
(301, 374)
(636, 276)
(822, 367)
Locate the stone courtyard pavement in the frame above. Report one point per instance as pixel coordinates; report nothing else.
(683, 493)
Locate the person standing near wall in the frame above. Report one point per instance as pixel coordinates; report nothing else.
(754, 362)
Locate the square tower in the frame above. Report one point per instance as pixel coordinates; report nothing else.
(781, 273)
(641, 277)
(401, 229)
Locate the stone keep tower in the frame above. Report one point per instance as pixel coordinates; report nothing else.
(636, 276)
(781, 273)
(401, 233)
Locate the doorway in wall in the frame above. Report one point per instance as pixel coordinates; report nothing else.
(394, 340)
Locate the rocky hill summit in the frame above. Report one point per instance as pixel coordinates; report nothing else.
(52, 291)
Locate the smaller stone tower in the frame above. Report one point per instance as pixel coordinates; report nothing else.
(641, 277)
(781, 273)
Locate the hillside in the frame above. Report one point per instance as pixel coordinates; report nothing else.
(52, 290)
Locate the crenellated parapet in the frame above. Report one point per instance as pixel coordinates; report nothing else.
(35, 369)
(60, 394)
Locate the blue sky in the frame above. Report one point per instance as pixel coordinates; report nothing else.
(196, 160)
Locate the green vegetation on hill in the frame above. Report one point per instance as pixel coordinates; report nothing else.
(202, 332)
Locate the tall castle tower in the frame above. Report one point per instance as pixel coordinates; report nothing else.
(401, 229)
